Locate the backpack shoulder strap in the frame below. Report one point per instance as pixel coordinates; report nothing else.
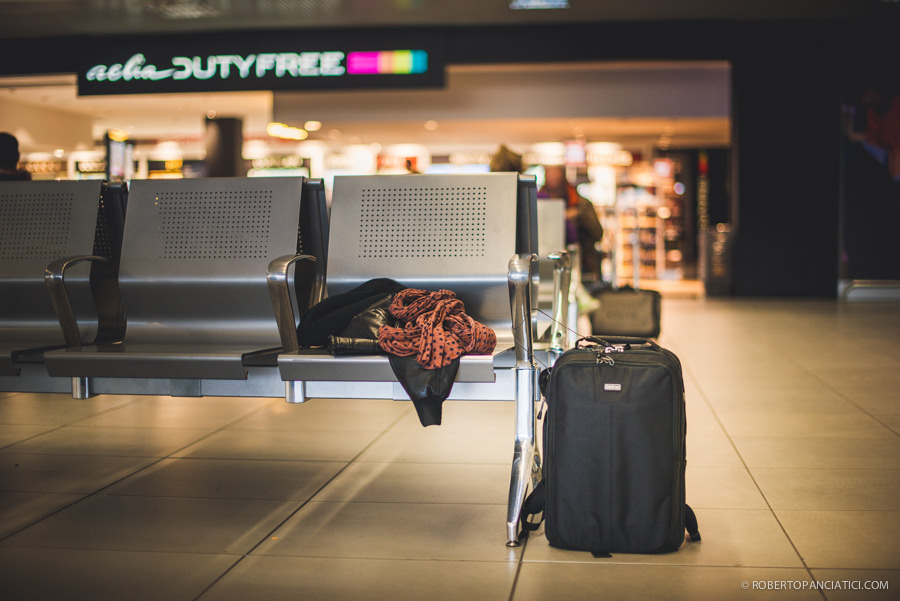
(690, 523)
(533, 505)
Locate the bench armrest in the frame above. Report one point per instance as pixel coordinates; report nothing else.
(54, 278)
(562, 282)
(520, 273)
(280, 293)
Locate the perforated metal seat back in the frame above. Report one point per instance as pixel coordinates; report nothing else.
(41, 222)
(456, 232)
(552, 236)
(195, 256)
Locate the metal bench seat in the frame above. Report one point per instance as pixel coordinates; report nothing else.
(473, 234)
(372, 368)
(190, 361)
(74, 228)
(193, 282)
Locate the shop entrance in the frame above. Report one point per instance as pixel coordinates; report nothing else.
(647, 142)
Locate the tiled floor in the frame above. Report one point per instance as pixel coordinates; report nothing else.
(793, 468)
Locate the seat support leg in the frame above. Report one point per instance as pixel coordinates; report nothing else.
(521, 269)
(81, 387)
(295, 391)
(523, 454)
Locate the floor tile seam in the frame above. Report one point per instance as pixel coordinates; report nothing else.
(750, 474)
(322, 487)
(400, 461)
(215, 430)
(230, 459)
(218, 578)
(873, 430)
(846, 569)
(825, 568)
(4, 448)
(44, 492)
(835, 510)
(519, 559)
(310, 499)
(453, 560)
(231, 421)
(82, 497)
(85, 493)
(380, 560)
(814, 375)
(306, 498)
(840, 510)
(308, 430)
(104, 411)
(398, 419)
(803, 439)
(375, 502)
(38, 547)
(134, 427)
(106, 548)
(654, 564)
(342, 458)
(811, 437)
(822, 469)
(705, 507)
(100, 490)
(112, 455)
(419, 462)
(204, 498)
(75, 425)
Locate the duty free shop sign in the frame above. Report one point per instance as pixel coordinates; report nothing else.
(142, 73)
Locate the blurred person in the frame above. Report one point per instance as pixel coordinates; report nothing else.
(583, 227)
(9, 159)
(872, 188)
(507, 160)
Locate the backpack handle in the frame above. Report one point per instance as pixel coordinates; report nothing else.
(627, 341)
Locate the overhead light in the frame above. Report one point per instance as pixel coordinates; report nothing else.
(168, 150)
(405, 150)
(431, 125)
(609, 154)
(312, 125)
(255, 149)
(280, 130)
(117, 135)
(537, 4)
(184, 9)
(547, 153)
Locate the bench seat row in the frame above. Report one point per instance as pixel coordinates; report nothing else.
(196, 287)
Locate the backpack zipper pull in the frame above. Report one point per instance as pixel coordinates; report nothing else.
(602, 358)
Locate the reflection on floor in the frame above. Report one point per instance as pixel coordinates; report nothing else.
(793, 468)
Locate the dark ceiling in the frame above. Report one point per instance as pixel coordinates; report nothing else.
(51, 18)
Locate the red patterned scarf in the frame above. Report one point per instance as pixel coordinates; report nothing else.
(437, 329)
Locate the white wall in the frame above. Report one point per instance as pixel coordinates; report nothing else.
(44, 129)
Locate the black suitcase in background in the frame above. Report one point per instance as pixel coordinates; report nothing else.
(627, 311)
(614, 450)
